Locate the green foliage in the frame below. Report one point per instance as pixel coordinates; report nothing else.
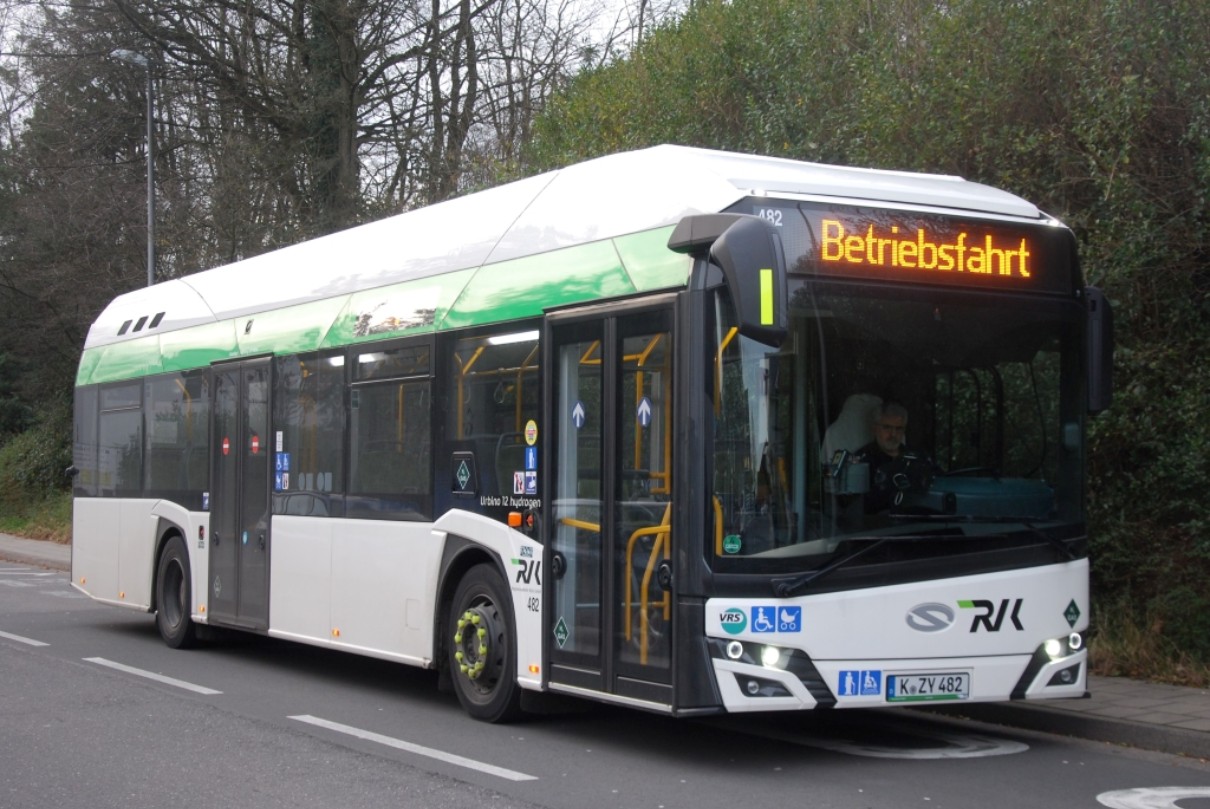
(32, 463)
(43, 518)
(1099, 112)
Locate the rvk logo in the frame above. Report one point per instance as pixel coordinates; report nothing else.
(860, 683)
(777, 619)
(529, 571)
(988, 609)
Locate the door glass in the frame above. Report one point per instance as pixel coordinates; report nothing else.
(226, 452)
(642, 533)
(578, 491)
(254, 539)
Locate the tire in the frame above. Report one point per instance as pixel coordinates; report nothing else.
(482, 647)
(173, 596)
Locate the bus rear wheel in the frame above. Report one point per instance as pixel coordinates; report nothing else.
(173, 596)
(483, 648)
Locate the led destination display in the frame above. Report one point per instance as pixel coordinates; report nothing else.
(919, 248)
(905, 246)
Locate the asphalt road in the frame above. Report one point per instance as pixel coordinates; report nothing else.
(97, 712)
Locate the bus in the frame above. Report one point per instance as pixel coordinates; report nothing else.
(604, 432)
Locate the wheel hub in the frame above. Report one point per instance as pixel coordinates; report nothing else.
(473, 642)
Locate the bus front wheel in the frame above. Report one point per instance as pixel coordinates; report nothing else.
(173, 596)
(482, 647)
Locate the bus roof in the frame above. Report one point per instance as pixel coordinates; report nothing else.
(602, 202)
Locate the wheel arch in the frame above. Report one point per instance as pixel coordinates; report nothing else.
(472, 539)
(460, 555)
(165, 530)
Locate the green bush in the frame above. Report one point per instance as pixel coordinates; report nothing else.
(32, 463)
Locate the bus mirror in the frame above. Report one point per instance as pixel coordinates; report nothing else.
(1099, 348)
(749, 253)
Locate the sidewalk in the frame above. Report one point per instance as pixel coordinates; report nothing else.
(1135, 713)
(35, 552)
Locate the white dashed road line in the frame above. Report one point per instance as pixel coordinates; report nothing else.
(420, 750)
(20, 639)
(151, 675)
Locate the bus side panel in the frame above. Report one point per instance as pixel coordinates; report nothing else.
(96, 536)
(365, 586)
(136, 565)
(383, 586)
(113, 550)
(300, 587)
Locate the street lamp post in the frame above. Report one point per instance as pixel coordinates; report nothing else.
(143, 61)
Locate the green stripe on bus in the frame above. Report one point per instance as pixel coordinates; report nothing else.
(495, 293)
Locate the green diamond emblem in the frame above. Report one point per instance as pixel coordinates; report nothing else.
(1072, 613)
(561, 633)
(464, 474)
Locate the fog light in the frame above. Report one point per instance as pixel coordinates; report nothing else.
(1068, 676)
(735, 650)
(1075, 641)
(770, 656)
(753, 688)
(1053, 648)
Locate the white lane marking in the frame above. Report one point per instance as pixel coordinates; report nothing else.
(151, 675)
(1150, 797)
(420, 750)
(26, 572)
(20, 639)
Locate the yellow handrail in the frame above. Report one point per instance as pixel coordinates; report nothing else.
(718, 526)
(572, 522)
(661, 533)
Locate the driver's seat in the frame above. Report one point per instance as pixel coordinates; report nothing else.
(853, 428)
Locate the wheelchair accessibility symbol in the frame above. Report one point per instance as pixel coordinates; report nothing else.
(776, 619)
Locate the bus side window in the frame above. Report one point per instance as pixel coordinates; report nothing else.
(309, 413)
(495, 395)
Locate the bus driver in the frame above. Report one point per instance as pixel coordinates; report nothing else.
(895, 469)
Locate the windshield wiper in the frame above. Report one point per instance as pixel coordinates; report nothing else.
(1058, 544)
(784, 588)
(787, 587)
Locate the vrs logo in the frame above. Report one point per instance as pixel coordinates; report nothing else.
(988, 608)
(733, 620)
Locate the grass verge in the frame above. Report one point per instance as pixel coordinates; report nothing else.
(1123, 646)
(40, 519)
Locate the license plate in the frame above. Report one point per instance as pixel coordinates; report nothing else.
(928, 687)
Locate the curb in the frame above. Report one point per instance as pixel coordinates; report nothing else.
(1079, 725)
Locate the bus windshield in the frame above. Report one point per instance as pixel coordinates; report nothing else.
(944, 420)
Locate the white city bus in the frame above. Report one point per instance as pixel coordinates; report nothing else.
(600, 432)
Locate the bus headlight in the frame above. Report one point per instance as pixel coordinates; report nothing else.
(770, 656)
(1058, 648)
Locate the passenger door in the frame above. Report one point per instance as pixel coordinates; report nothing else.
(239, 497)
(610, 530)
